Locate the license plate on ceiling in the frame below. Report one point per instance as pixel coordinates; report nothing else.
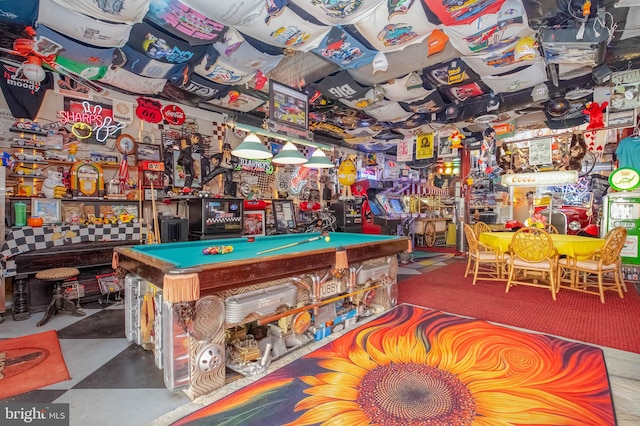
(330, 288)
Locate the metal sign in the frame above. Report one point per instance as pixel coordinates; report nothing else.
(540, 178)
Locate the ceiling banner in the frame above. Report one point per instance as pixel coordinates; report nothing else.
(405, 150)
(424, 146)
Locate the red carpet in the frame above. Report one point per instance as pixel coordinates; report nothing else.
(30, 362)
(579, 316)
(422, 367)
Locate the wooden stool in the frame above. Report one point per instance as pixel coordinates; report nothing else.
(58, 301)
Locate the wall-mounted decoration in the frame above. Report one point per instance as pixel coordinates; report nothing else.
(444, 147)
(126, 144)
(288, 110)
(253, 223)
(148, 152)
(540, 151)
(181, 177)
(424, 146)
(284, 214)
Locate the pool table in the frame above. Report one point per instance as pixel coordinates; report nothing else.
(190, 307)
(244, 265)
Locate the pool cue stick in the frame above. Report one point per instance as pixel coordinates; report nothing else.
(276, 317)
(140, 195)
(154, 211)
(292, 244)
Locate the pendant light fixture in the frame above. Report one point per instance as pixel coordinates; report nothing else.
(319, 160)
(252, 148)
(289, 154)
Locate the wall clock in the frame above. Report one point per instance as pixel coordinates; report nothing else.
(126, 144)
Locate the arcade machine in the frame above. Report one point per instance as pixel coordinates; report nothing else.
(366, 189)
(393, 212)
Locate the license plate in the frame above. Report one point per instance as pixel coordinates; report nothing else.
(330, 288)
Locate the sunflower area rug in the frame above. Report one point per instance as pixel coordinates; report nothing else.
(416, 366)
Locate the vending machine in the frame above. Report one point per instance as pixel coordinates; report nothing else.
(623, 209)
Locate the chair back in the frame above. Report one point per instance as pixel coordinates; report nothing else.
(613, 245)
(472, 240)
(532, 244)
(481, 227)
(551, 229)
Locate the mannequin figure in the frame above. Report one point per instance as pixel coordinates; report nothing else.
(185, 159)
(222, 162)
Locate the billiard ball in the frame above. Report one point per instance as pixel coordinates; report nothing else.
(250, 239)
(205, 250)
(327, 239)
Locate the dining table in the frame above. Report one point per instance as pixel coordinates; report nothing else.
(568, 245)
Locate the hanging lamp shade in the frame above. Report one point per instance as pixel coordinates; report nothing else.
(289, 154)
(319, 160)
(252, 148)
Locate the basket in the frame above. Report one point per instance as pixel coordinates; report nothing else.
(71, 289)
(109, 283)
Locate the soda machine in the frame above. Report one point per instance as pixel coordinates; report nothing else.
(623, 209)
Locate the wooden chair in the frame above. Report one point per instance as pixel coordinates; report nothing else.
(533, 260)
(480, 227)
(487, 263)
(595, 272)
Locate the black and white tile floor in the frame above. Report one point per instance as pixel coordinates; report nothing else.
(115, 382)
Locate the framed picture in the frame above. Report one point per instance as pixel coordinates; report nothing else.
(444, 148)
(288, 109)
(148, 152)
(48, 209)
(284, 216)
(540, 151)
(626, 118)
(253, 223)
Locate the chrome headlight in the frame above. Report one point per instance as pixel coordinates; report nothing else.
(575, 225)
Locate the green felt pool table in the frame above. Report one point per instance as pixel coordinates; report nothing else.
(244, 265)
(212, 294)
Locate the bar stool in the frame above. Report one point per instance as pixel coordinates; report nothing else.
(58, 301)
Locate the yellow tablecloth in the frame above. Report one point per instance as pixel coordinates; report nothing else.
(568, 245)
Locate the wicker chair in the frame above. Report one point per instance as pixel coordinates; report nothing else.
(595, 272)
(487, 263)
(480, 227)
(551, 229)
(533, 261)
